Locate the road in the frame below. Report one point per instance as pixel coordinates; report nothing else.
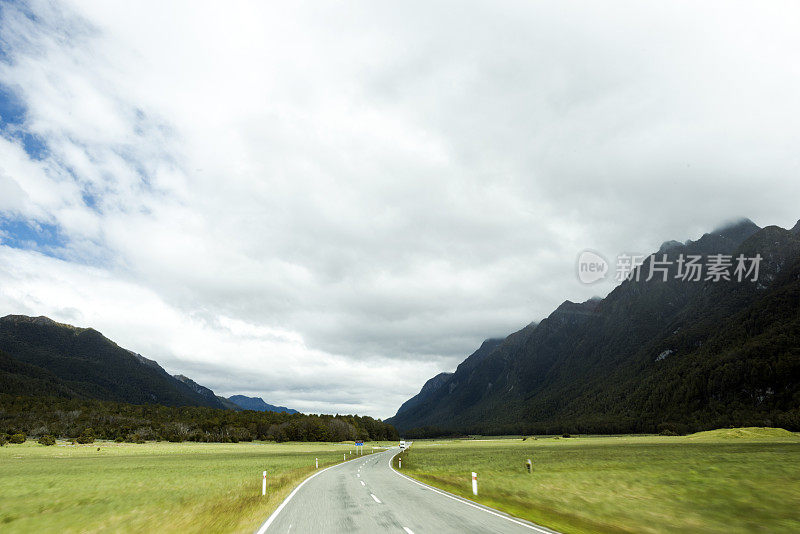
(366, 495)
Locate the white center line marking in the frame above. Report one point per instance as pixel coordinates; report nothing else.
(408, 530)
(377, 500)
(358, 475)
(362, 483)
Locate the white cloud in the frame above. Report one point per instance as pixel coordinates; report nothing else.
(323, 204)
(256, 358)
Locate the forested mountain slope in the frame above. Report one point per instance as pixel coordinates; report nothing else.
(673, 354)
(46, 358)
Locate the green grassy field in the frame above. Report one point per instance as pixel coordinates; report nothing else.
(152, 487)
(738, 480)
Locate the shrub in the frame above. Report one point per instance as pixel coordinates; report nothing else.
(47, 440)
(566, 436)
(134, 438)
(17, 438)
(3, 440)
(86, 437)
(669, 429)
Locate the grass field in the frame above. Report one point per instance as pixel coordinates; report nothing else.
(738, 480)
(152, 487)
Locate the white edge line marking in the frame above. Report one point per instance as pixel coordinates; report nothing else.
(408, 530)
(272, 517)
(377, 500)
(468, 503)
(362, 483)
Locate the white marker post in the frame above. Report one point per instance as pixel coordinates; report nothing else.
(264, 484)
(316, 463)
(399, 463)
(344, 457)
(474, 483)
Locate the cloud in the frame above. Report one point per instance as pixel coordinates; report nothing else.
(254, 358)
(326, 206)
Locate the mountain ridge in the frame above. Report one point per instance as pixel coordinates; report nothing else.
(580, 369)
(42, 357)
(257, 404)
(91, 365)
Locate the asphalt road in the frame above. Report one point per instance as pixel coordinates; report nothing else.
(366, 495)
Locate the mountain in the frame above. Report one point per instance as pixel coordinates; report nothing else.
(46, 358)
(207, 393)
(229, 404)
(652, 355)
(486, 348)
(427, 390)
(17, 378)
(257, 404)
(432, 385)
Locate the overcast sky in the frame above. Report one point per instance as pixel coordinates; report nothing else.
(325, 204)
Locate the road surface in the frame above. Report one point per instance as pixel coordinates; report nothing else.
(367, 496)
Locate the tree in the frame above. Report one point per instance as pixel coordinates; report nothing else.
(87, 420)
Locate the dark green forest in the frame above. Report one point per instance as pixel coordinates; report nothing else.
(71, 418)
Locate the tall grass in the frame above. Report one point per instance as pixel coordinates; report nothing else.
(747, 481)
(152, 487)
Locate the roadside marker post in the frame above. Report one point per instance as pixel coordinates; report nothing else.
(399, 463)
(344, 457)
(316, 463)
(474, 483)
(529, 465)
(264, 484)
